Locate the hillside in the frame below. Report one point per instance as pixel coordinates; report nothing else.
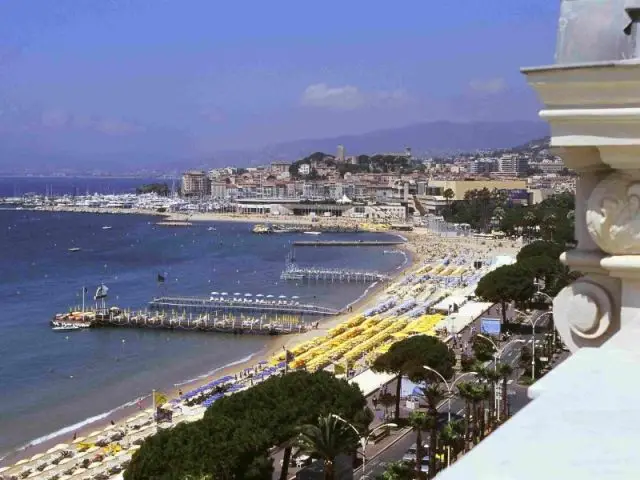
(424, 138)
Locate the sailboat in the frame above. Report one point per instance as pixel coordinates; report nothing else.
(107, 227)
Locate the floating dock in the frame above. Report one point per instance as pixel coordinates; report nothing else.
(204, 305)
(293, 272)
(347, 243)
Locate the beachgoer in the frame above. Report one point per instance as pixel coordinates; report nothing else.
(374, 400)
(180, 392)
(113, 423)
(75, 435)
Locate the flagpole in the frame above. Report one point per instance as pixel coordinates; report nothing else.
(83, 290)
(153, 395)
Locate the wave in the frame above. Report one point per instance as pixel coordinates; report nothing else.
(76, 426)
(217, 369)
(364, 294)
(96, 418)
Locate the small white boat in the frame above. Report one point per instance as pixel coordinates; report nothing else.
(211, 229)
(312, 233)
(74, 249)
(66, 327)
(107, 227)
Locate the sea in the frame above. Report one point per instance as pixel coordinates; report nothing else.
(55, 383)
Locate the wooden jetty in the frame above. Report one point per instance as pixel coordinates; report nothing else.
(205, 305)
(293, 272)
(204, 322)
(347, 243)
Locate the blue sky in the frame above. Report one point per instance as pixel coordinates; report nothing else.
(190, 77)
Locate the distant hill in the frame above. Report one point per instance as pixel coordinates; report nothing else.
(432, 138)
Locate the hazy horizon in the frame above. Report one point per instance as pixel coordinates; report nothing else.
(165, 81)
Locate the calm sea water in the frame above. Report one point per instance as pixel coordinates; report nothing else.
(51, 380)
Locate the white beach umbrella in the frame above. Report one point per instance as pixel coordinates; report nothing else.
(79, 440)
(237, 294)
(224, 293)
(282, 296)
(247, 295)
(215, 293)
(269, 296)
(295, 296)
(36, 456)
(60, 446)
(259, 295)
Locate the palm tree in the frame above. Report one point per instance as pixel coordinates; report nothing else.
(451, 437)
(482, 393)
(420, 421)
(448, 194)
(465, 390)
(398, 471)
(504, 371)
(491, 377)
(387, 400)
(434, 395)
(326, 440)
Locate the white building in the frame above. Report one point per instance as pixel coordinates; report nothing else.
(512, 165)
(341, 152)
(304, 169)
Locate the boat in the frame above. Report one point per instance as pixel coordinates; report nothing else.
(312, 233)
(65, 326)
(107, 227)
(74, 249)
(211, 229)
(261, 229)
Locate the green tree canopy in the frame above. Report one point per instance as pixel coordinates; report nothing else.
(408, 357)
(233, 439)
(509, 283)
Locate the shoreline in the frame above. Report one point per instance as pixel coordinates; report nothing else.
(209, 216)
(273, 346)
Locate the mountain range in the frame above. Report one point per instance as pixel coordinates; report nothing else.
(430, 138)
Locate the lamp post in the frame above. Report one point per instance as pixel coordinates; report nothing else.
(364, 439)
(449, 387)
(496, 358)
(533, 324)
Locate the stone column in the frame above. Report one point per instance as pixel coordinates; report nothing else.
(595, 127)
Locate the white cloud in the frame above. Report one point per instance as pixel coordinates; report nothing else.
(348, 97)
(491, 86)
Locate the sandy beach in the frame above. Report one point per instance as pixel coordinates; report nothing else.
(275, 345)
(422, 246)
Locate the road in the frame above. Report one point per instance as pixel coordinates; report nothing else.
(517, 400)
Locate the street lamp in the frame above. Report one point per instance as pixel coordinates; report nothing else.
(364, 439)
(533, 324)
(449, 395)
(496, 358)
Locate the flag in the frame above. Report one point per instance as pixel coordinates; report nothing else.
(101, 292)
(160, 399)
(85, 290)
(160, 278)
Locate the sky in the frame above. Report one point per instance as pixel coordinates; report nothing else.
(101, 79)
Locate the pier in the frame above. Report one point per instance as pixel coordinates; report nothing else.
(293, 272)
(347, 243)
(204, 305)
(206, 322)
